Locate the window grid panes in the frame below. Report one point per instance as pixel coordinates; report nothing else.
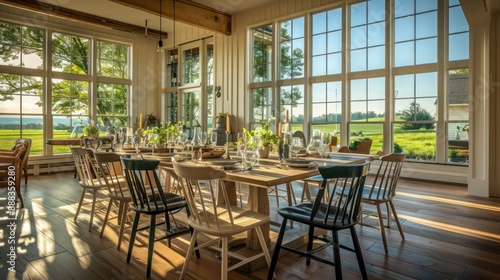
(327, 102)
(292, 99)
(112, 105)
(112, 60)
(191, 66)
(262, 53)
(21, 46)
(458, 28)
(367, 35)
(70, 54)
(327, 42)
(415, 32)
(210, 87)
(292, 48)
(458, 115)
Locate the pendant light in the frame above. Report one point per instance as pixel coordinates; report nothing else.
(160, 42)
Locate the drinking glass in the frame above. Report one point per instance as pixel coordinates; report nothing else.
(196, 153)
(296, 145)
(251, 158)
(213, 139)
(152, 141)
(242, 145)
(204, 138)
(136, 140)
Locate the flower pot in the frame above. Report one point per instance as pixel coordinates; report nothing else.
(264, 151)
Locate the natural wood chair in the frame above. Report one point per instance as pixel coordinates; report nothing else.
(213, 216)
(148, 198)
(336, 215)
(112, 172)
(11, 167)
(88, 178)
(26, 142)
(364, 147)
(383, 190)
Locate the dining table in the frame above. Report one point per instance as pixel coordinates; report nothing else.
(269, 173)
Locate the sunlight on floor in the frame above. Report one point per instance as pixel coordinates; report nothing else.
(452, 201)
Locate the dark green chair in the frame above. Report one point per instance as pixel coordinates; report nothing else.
(339, 213)
(148, 198)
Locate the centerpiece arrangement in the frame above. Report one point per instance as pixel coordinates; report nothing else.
(91, 130)
(267, 138)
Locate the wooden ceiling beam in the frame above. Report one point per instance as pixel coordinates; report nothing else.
(186, 12)
(57, 11)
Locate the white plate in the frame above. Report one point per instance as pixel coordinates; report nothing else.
(298, 162)
(223, 162)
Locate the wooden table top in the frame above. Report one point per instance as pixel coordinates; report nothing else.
(72, 141)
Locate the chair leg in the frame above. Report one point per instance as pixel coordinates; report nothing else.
(290, 194)
(80, 204)
(336, 255)
(25, 169)
(277, 249)
(397, 219)
(381, 227)
(359, 254)
(189, 254)
(92, 210)
(151, 245)
(310, 239)
(133, 232)
(224, 259)
(19, 195)
(306, 192)
(106, 217)
(123, 219)
(263, 244)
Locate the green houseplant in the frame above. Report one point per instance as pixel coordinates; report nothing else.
(91, 130)
(267, 138)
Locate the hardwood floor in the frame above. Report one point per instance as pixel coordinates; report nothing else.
(449, 235)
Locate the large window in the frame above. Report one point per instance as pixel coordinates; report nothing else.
(51, 98)
(386, 88)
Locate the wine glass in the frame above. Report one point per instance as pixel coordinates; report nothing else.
(242, 145)
(296, 145)
(137, 141)
(170, 139)
(204, 138)
(152, 140)
(213, 139)
(121, 137)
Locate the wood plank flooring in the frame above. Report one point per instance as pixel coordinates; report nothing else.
(449, 235)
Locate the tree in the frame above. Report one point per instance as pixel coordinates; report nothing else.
(416, 113)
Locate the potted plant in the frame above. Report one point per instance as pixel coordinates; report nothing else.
(267, 137)
(91, 130)
(163, 130)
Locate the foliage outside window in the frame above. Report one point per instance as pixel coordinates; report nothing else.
(23, 55)
(292, 48)
(262, 53)
(209, 89)
(191, 66)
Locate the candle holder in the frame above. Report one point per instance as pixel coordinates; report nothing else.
(227, 145)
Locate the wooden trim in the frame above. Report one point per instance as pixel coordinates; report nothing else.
(65, 13)
(185, 11)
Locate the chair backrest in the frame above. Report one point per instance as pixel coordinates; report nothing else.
(26, 142)
(302, 137)
(110, 167)
(144, 185)
(386, 180)
(343, 149)
(364, 147)
(341, 210)
(85, 169)
(203, 202)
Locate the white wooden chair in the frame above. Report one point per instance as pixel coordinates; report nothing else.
(214, 217)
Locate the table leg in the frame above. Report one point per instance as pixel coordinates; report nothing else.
(258, 202)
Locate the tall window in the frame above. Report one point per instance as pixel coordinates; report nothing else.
(191, 66)
(210, 88)
(347, 74)
(292, 48)
(262, 53)
(415, 114)
(63, 90)
(327, 42)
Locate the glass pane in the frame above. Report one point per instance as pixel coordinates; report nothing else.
(376, 10)
(358, 111)
(70, 97)
(292, 99)
(426, 84)
(358, 89)
(375, 111)
(262, 105)
(262, 53)
(319, 23)
(376, 58)
(376, 88)
(458, 94)
(404, 86)
(319, 44)
(418, 144)
(426, 25)
(33, 129)
(70, 54)
(112, 60)
(319, 65)
(376, 34)
(458, 46)
(191, 110)
(358, 14)
(373, 132)
(458, 143)
(427, 5)
(404, 7)
(334, 63)
(335, 41)
(426, 51)
(32, 104)
(404, 54)
(404, 29)
(318, 92)
(335, 19)
(457, 21)
(358, 60)
(358, 37)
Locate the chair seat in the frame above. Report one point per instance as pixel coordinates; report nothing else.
(95, 184)
(174, 202)
(316, 178)
(244, 220)
(302, 214)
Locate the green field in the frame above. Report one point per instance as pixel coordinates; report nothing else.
(418, 145)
